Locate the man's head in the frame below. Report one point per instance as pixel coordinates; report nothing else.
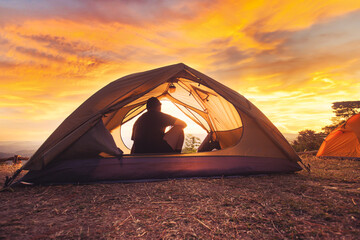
(153, 104)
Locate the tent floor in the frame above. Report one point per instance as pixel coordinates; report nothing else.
(135, 168)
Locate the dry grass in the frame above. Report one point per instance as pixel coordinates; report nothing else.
(322, 204)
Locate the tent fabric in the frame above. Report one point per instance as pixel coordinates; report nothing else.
(344, 141)
(123, 91)
(242, 130)
(97, 141)
(135, 168)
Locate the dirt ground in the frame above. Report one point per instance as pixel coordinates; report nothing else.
(323, 204)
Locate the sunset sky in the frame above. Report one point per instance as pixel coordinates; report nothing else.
(291, 58)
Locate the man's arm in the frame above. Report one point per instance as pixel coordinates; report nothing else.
(169, 120)
(180, 123)
(133, 132)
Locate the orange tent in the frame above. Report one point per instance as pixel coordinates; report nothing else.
(344, 141)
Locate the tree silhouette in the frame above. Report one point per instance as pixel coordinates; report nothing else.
(343, 111)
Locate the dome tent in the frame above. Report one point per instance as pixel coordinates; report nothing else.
(344, 141)
(75, 151)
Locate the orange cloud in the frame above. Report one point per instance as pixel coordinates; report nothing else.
(291, 58)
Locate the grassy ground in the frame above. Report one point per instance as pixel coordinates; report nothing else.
(321, 205)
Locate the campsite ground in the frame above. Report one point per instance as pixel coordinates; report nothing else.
(322, 204)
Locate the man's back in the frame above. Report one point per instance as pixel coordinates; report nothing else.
(148, 133)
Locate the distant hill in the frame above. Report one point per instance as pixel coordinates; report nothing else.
(290, 136)
(23, 148)
(5, 155)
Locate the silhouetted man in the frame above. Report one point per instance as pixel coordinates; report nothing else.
(149, 131)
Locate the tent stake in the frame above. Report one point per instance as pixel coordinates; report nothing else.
(307, 167)
(10, 180)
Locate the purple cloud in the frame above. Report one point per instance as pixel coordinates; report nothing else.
(135, 12)
(4, 41)
(7, 64)
(230, 55)
(61, 44)
(36, 53)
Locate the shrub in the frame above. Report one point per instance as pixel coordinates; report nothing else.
(308, 140)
